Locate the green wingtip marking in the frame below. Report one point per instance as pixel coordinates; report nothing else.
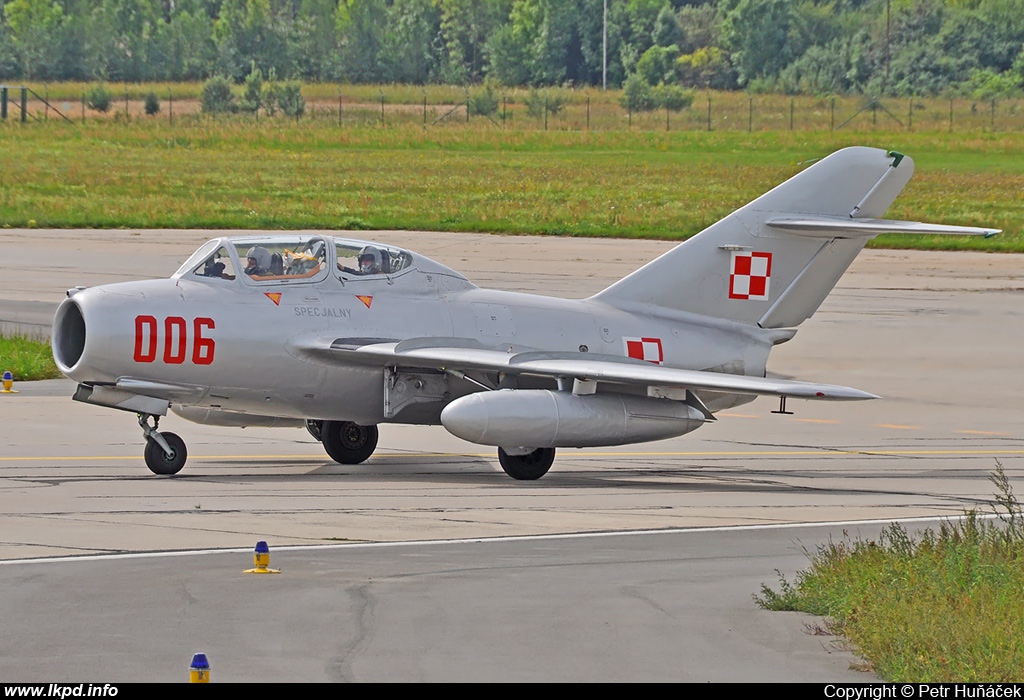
(897, 157)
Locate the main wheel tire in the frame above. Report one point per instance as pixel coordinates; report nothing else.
(158, 461)
(348, 443)
(528, 467)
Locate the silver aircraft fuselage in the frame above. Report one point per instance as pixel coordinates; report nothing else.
(241, 345)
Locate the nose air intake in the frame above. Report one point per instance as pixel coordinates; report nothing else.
(68, 335)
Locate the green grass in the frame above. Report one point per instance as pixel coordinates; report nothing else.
(27, 358)
(944, 606)
(235, 173)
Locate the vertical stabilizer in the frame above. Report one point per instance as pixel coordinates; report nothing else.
(748, 268)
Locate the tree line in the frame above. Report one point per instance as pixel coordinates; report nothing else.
(877, 47)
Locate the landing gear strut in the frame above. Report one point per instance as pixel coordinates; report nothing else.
(348, 443)
(315, 428)
(165, 452)
(527, 467)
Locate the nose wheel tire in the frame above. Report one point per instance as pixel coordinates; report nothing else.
(528, 467)
(159, 462)
(348, 443)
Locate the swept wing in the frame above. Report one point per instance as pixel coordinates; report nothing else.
(443, 354)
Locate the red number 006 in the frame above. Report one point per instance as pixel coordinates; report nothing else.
(175, 340)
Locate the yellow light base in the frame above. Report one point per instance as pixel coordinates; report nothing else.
(261, 561)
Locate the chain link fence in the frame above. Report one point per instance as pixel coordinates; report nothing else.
(559, 110)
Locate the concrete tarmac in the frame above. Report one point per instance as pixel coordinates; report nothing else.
(936, 334)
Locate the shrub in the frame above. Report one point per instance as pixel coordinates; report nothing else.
(152, 104)
(637, 95)
(290, 99)
(484, 103)
(539, 103)
(987, 84)
(673, 97)
(658, 64)
(252, 100)
(217, 97)
(99, 98)
(707, 67)
(271, 98)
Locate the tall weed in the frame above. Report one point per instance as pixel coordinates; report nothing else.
(944, 605)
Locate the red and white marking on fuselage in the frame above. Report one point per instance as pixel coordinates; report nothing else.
(646, 349)
(749, 275)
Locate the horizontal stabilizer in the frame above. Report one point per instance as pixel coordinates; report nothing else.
(839, 227)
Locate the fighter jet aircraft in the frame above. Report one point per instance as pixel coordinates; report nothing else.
(342, 335)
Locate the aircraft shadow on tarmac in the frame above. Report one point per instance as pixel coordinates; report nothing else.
(456, 472)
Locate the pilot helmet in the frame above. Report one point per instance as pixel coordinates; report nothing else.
(262, 257)
(369, 260)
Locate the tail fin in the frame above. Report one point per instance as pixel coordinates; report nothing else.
(773, 261)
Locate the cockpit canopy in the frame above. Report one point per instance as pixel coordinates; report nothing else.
(388, 261)
(291, 258)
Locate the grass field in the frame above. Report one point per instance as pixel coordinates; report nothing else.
(943, 606)
(276, 173)
(27, 358)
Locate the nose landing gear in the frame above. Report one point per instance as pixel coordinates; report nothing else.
(165, 452)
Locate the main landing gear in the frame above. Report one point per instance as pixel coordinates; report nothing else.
(529, 466)
(165, 452)
(344, 441)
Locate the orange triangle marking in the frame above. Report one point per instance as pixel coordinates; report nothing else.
(365, 299)
(274, 297)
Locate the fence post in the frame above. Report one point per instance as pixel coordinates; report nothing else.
(126, 102)
(3, 103)
(951, 115)
(832, 114)
(545, 111)
(792, 104)
(588, 112)
(424, 109)
(339, 108)
(83, 106)
(46, 94)
(24, 104)
(170, 107)
(910, 114)
(709, 112)
(381, 107)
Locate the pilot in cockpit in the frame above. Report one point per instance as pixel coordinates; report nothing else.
(216, 266)
(213, 268)
(257, 261)
(370, 262)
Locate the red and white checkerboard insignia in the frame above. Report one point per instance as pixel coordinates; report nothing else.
(647, 349)
(749, 275)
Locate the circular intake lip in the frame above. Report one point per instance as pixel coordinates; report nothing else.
(68, 336)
